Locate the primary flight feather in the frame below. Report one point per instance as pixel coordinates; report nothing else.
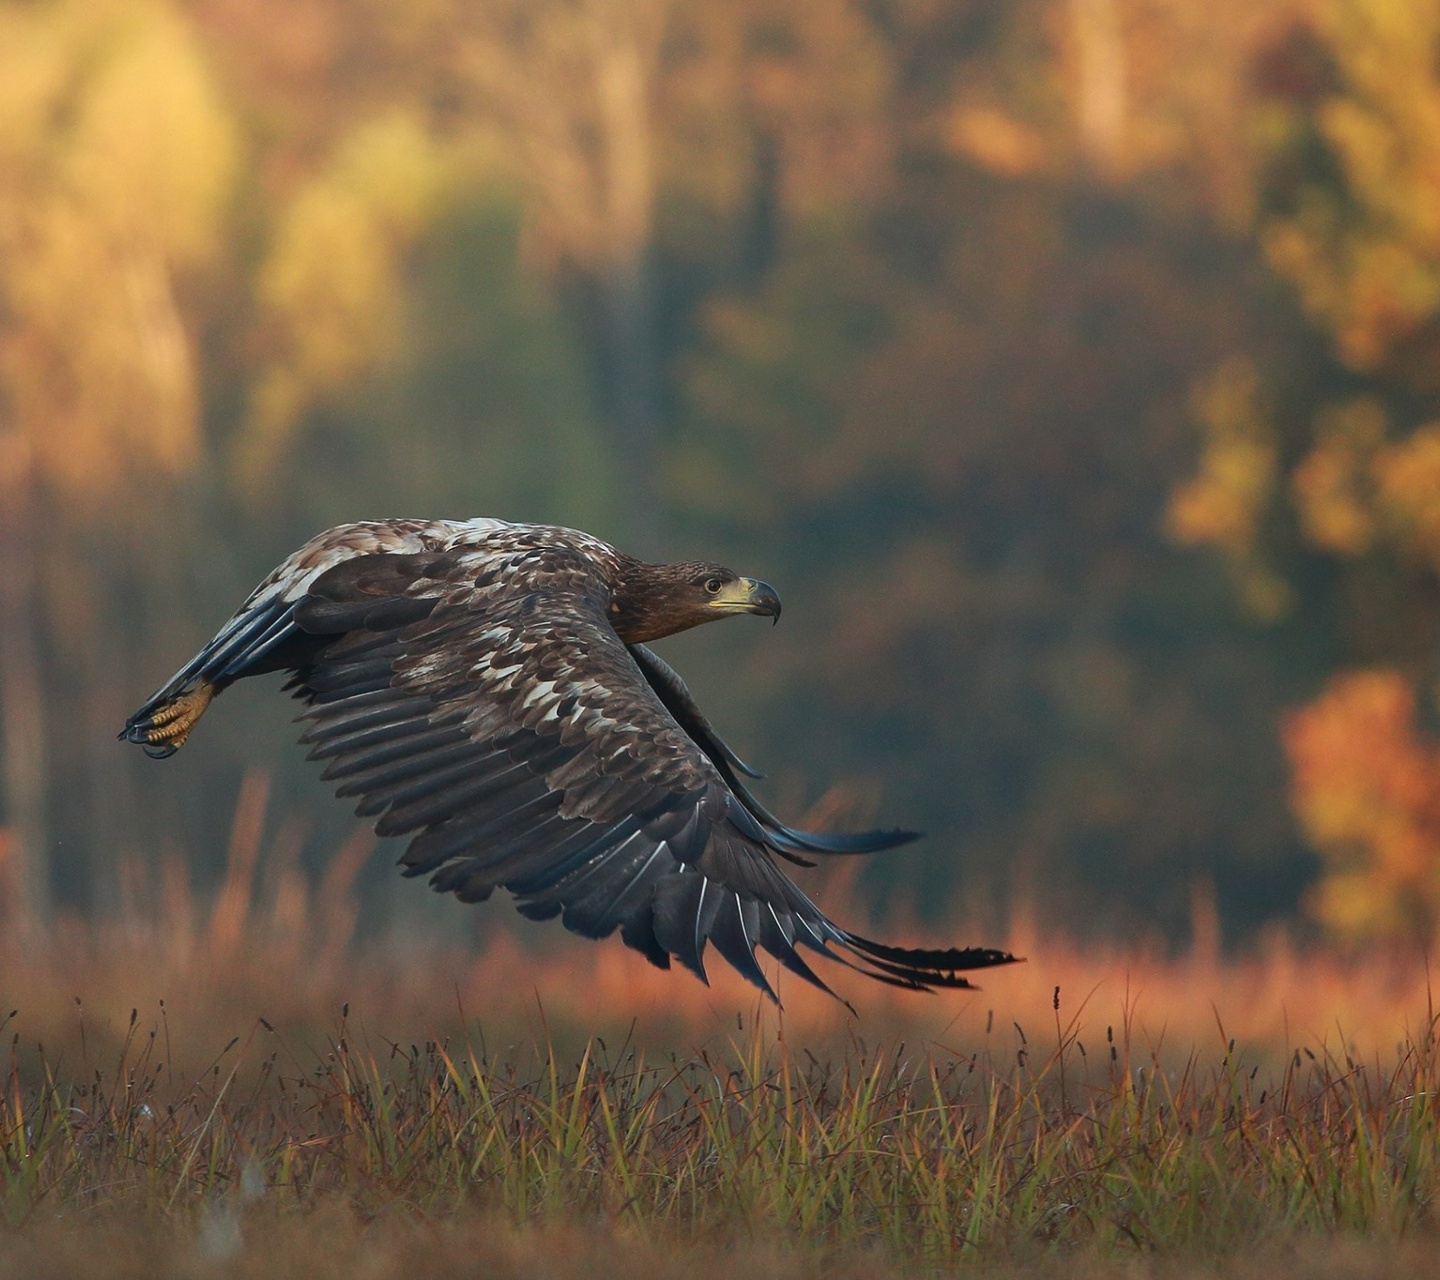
(485, 689)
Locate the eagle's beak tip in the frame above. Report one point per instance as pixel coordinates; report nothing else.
(764, 600)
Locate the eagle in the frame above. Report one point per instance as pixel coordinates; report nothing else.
(487, 690)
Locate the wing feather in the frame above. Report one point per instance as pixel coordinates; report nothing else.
(679, 701)
(733, 931)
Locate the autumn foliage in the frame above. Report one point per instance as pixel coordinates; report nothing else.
(1366, 787)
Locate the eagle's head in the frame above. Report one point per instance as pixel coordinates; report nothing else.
(654, 600)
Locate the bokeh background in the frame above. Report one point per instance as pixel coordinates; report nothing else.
(1072, 367)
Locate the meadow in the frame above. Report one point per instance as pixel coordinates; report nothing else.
(237, 1084)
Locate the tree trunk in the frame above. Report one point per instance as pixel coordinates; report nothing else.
(22, 703)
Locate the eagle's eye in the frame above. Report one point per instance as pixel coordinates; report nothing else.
(712, 585)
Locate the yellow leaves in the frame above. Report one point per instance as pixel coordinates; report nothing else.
(119, 160)
(333, 266)
(1333, 485)
(35, 71)
(1367, 259)
(1355, 489)
(1224, 504)
(154, 151)
(331, 289)
(1237, 467)
(1366, 790)
(1407, 478)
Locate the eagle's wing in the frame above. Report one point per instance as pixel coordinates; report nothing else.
(792, 844)
(482, 705)
(470, 692)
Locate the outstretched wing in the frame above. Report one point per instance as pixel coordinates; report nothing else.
(481, 704)
(787, 841)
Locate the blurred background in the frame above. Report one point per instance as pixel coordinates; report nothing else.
(1072, 367)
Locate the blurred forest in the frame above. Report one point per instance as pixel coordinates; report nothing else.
(1072, 367)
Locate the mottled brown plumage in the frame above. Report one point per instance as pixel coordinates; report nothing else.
(484, 689)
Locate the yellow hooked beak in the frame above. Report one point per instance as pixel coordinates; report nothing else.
(747, 595)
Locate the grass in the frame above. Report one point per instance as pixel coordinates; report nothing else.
(188, 1091)
(905, 1156)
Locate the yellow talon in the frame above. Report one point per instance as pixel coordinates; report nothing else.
(172, 723)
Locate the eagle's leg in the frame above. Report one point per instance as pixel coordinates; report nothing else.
(163, 732)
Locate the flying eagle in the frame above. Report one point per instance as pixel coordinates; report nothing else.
(485, 689)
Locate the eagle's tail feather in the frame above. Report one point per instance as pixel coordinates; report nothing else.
(919, 968)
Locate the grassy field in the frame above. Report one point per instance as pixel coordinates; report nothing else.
(238, 1088)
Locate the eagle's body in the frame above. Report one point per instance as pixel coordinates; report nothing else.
(485, 689)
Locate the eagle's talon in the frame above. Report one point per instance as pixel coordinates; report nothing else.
(163, 732)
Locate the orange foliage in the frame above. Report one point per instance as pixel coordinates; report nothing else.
(1407, 475)
(1366, 789)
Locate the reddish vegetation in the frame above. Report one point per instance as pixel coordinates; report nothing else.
(273, 944)
(1366, 787)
